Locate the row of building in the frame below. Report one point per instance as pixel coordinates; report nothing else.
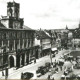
(19, 44)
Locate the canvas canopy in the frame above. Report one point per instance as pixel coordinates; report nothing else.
(54, 49)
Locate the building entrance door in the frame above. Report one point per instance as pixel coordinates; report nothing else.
(23, 58)
(11, 61)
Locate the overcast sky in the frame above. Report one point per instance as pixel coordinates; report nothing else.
(47, 14)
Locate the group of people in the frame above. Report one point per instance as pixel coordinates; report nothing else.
(56, 66)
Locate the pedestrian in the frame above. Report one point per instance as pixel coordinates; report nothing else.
(2, 73)
(48, 77)
(35, 60)
(22, 76)
(61, 68)
(55, 60)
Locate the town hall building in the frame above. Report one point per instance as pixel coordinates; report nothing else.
(16, 40)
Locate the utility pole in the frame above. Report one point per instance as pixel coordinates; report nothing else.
(51, 48)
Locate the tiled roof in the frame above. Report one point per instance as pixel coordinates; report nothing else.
(42, 35)
(27, 28)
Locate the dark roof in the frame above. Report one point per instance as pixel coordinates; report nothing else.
(42, 34)
(2, 27)
(27, 28)
(71, 30)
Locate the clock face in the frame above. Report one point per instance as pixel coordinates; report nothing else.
(16, 25)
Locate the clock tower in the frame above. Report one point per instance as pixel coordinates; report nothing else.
(12, 20)
(13, 9)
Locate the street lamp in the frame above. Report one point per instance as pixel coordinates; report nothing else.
(5, 60)
(51, 48)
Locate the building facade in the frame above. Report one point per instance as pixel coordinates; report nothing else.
(16, 39)
(45, 42)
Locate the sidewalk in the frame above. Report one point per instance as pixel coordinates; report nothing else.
(46, 58)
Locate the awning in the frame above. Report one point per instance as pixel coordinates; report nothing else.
(54, 49)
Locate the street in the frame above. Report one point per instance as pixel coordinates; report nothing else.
(16, 74)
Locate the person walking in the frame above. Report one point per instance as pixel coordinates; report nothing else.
(21, 76)
(48, 77)
(61, 68)
(2, 73)
(35, 60)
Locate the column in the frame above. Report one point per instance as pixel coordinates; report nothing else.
(19, 43)
(25, 59)
(8, 61)
(20, 59)
(26, 43)
(23, 44)
(14, 44)
(2, 43)
(14, 60)
(8, 43)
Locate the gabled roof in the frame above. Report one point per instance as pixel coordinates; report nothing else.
(42, 35)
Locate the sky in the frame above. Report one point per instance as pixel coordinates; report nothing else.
(47, 14)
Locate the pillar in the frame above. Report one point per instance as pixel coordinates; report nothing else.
(8, 61)
(23, 44)
(2, 43)
(19, 43)
(14, 60)
(25, 59)
(20, 59)
(26, 43)
(14, 44)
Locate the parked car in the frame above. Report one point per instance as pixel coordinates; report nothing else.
(62, 77)
(70, 58)
(78, 65)
(27, 75)
(42, 70)
(78, 77)
(47, 65)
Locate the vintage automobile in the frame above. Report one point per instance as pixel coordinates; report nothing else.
(48, 66)
(78, 65)
(70, 58)
(62, 77)
(78, 77)
(53, 55)
(41, 70)
(27, 75)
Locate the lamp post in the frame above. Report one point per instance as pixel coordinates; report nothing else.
(5, 60)
(51, 48)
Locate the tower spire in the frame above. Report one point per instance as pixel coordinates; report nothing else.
(66, 27)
